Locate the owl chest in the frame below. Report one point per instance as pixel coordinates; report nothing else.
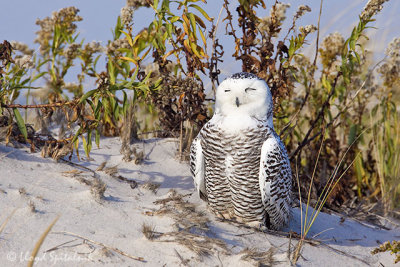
(235, 155)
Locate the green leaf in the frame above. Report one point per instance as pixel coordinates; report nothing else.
(20, 123)
(203, 37)
(125, 103)
(95, 61)
(201, 11)
(352, 134)
(128, 37)
(87, 95)
(165, 6)
(25, 81)
(169, 30)
(76, 135)
(97, 138)
(90, 102)
(111, 72)
(193, 24)
(174, 19)
(76, 146)
(38, 76)
(118, 28)
(85, 146)
(360, 172)
(89, 136)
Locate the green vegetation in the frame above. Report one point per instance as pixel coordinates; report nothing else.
(337, 106)
(393, 247)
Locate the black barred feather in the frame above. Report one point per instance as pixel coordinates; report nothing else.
(243, 169)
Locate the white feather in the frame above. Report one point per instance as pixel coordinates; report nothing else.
(280, 206)
(242, 119)
(265, 187)
(199, 168)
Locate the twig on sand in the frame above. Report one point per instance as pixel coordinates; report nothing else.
(6, 154)
(290, 245)
(101, 244)
(293, 235)
(183, 261)
(3, 225)
(79, 166)
(58, 246)
(345, 254)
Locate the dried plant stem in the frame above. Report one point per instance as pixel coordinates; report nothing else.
(6, 154)
(308, 88)
(52, 105)
(3, 225)
(306, 140)
(214, 48)
(102, 244)
(331, 184)
(296, 253)
(79, 166)
(184, 262)
(40, 242)
(328, 188)
(318, 33)
(304, 228)
(58, 246)
(181, 142)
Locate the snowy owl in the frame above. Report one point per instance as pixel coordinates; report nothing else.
(239, 164)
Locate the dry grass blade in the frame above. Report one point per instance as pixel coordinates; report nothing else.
(149, 233)
(263, 258)
(78, 166)
(3, 225)
(32, 206)
(58, 246)
(328, 188)
(184, 213)
(6, 154)
(112, 171)
(132, 183)
(311, 183)
(97, 186)
(202, 245)
(102, 244)
(332, 182)
(190, 223)
(153, 187)
(40, 242)
(184, 262)
(101, 166)
(297, 252)
(71, 173)
(97, 189)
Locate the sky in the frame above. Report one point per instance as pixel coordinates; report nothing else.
(17, 20)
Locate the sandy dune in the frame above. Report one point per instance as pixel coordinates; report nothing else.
(184, 232)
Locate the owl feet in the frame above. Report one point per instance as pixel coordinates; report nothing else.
(223, 215)
(253, 224)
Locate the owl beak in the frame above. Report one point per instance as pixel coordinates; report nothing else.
(237, 101)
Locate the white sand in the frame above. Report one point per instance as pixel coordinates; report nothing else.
(116, 221)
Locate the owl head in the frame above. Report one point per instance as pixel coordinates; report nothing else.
(244, 94)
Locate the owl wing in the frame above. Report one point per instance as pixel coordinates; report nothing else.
(197, 167)
(275, 180)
